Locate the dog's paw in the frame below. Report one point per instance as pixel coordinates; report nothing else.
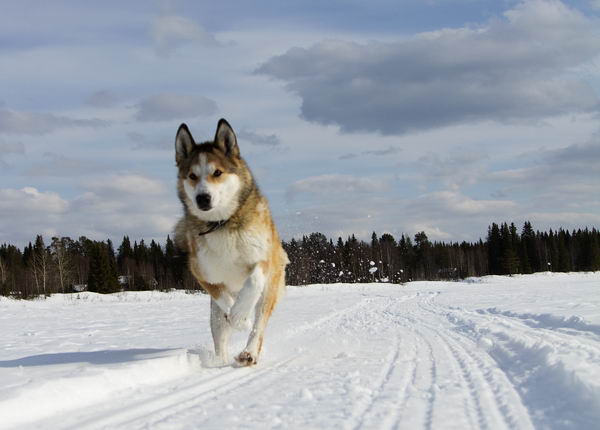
(245, 358)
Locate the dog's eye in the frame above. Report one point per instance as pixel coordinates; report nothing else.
(193, 177)
(217, 173)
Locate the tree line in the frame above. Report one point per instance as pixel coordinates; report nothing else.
(67, 265)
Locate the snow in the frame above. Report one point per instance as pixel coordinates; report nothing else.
(495, 352)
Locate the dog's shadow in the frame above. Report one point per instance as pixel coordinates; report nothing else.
(205, 356)
(113, 356)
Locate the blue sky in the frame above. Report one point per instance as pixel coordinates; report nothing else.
(440, 115)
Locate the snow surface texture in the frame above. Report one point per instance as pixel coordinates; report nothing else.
(493, 352)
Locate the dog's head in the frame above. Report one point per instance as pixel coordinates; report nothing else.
(212, 176)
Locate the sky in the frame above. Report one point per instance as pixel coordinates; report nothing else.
(440, 116)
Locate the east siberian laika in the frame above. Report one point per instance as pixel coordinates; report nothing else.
(233, 248)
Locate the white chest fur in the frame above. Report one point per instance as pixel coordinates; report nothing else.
(228, 257)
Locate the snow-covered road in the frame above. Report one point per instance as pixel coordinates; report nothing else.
(498, 353)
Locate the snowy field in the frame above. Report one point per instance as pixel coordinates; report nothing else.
(494, 352)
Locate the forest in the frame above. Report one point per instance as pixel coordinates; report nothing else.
(66, 265)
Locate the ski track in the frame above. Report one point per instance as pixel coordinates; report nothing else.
(148, 413)
(387, 359)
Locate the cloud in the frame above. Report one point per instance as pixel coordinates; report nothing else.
(561, 178)
(170, 31)
(454, 170)
(566, 219)
(336, 185)
(551, 167)
(169, 106)
(383, 152)
(259, 139)
(441, 204)
(517, 68)
(29, 201)
(141, 141)
(128, 184)
(103, 99)
(58, 165)
(390, 150)
(34, 123)
(10, 148)
(123, 204)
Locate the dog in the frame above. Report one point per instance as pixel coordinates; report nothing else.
(234, 250)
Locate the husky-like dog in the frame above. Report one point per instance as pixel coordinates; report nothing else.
(234, 250)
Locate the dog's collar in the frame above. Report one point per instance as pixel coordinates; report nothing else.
(214, 225)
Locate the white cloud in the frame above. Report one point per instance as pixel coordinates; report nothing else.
(170, 31)
(442, 203)
(29, 201)
(120, 205)
(169, 106)
(433, 233)
(135, 185)
(510, 70)
(35, 123)
(336, 186)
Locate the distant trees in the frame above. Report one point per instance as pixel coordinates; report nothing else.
(504, 252)
(39, 269)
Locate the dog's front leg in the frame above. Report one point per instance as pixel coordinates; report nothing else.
(247, 298)
(221, 331)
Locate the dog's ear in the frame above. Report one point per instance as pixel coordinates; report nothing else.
(226, 140)
(184, 143)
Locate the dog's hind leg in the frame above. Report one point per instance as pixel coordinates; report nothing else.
(221, 332)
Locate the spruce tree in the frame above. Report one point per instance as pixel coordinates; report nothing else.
(509, 258)
(494, 247)
(101, 276)
(564, 261)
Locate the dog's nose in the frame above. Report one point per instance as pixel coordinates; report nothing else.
(203, 201)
